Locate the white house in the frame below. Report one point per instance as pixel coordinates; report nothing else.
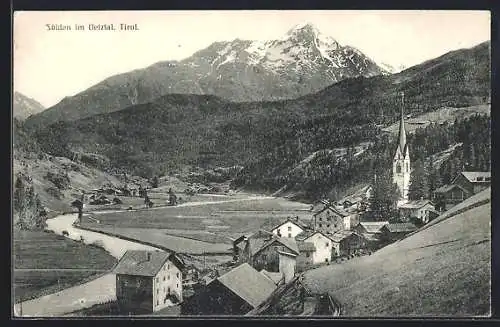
(323, 246)
(290, 228)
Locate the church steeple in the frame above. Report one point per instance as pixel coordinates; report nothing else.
(402, 131)
(401, 163)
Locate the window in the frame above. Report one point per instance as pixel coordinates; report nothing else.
(177, 275)
(328, 225)
(326, 259)
(398, 168)
(163, 278)
(168, 267)
(168, 277)
(157, 302)
(328, 218)
(407, 167)
(320, 225)
(480, 179)
(264, 257)
(278, 232)
(157, 291)
(289, 228)
(177, 285)
(169, 290)
(156, 279)
(289, 235)
(307, 254)
(327, 244)
(320, 219)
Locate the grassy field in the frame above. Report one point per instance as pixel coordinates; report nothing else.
(45, 263)
(197, 228)
(442, 270)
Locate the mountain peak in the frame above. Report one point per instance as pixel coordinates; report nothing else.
(303, 28)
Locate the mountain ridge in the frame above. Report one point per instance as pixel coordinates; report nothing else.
(302, 62)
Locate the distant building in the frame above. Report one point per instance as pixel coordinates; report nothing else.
(245, 246)
(322, 246)
(305, 257)
(147, 281)
(449, 195)
(417, 209)
(473, 181)
(290, 228)
(287, 265)
(371, 231)
(346, 243)
(266, 257)
(401, 162)
(393, 232)
(234, 293)
(329, 220)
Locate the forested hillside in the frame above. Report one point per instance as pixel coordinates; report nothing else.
(269, 139)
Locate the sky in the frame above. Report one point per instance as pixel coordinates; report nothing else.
(52, 64)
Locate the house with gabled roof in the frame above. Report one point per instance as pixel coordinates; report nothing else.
(234, 293)
(396, 231)
(345, 243)
(148, 281)
(449, 195)
(290, 228)
(322, 246)
(329, 219)
(473, 181)
(266, 256)
(417, 209)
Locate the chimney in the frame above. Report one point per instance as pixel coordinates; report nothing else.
(148, 256)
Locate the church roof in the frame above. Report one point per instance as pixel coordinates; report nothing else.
(402, 132)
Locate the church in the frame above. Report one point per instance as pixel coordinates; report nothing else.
(401, 162)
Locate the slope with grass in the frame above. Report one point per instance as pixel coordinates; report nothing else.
(444, 269)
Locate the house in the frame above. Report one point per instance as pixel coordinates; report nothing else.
(147, 281)
(417, 209)
(277, 277)
(246, 245)
(290, 228)
(329, 219)
(393, 232)
(322, 246)
(350, 221)
(345, 243)
(304, 259)
(371, 231)
(473, 181)
(287, 265)
(266, 257)
(234, 293)
(447, 196)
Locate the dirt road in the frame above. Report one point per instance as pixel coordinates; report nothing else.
(100, 290)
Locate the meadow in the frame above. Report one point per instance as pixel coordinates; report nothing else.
(45, 263)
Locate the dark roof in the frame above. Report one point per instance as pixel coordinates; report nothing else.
(247, 283)
(446, 188)
(473, 175)
(400, 227)
(333, 209)
(373, 226)
(137, 263)
(289, 243)
(306, 247)
(293, 221)
(415, 204)
(317, 232)
(305, 234)
(340, 235)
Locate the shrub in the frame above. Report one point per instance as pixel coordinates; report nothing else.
(61, 181)
(65, 233)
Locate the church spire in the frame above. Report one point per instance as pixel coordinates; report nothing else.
(402, 131)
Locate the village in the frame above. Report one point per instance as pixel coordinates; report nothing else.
(267, 261)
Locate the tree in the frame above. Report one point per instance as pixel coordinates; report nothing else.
(419, 181)
(385, 195)
(28, 210)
